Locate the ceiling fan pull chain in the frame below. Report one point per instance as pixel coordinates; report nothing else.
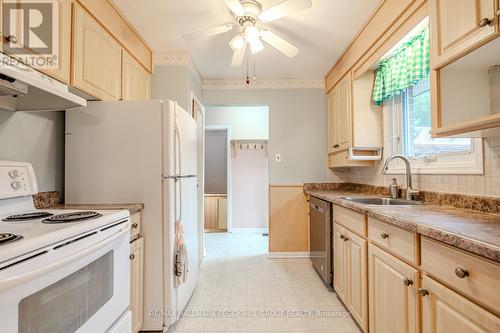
(254, 75)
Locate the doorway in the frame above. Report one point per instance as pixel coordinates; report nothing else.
(217, 179)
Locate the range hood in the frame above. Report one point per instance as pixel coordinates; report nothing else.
(25, 89)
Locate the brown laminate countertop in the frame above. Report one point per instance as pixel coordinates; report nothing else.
(132, 208)
(472, 231)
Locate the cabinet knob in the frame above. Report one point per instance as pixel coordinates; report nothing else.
(346, 239)
(407, 282)
(461, 273)
(135, 225)
(131, 256)
(11, 39)
(384, 235)
(342, 236)
(423, 292)
(484, 22)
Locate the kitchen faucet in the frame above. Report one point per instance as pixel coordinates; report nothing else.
(410, 192)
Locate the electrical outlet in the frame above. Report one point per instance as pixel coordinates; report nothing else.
(277, 158)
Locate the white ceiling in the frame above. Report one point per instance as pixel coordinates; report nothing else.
(321, 33)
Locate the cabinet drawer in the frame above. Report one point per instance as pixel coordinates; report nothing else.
(350, 219)
(447, 265)
(400, 242)
(135, 221)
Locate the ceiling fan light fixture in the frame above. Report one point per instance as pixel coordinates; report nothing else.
(256, 46)
(252, 34)
(237, 42)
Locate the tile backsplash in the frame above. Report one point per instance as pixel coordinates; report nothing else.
(485, 185)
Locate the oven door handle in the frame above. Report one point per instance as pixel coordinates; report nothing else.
(8, 283)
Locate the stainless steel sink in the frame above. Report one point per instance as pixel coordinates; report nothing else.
(383, 201)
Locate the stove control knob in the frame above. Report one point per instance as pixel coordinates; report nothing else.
(13, 174)
(16, 185)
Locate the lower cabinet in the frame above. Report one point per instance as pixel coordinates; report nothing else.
(215, 212)
(137, 283)
(340, 279)
(393, 299)
(446, 311)
(350, 273)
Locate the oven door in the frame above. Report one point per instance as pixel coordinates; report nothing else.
(79, 286)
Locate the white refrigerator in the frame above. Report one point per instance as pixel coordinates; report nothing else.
(124, 152)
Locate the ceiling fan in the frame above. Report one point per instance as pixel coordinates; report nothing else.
(249, 18)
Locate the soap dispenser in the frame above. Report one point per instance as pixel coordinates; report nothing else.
(394, 189)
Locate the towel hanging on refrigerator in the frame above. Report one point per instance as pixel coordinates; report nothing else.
(181, 264)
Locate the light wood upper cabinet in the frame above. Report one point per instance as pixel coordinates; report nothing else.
(108, 14)
(96, 58)
(137, 283)
(353, 121)
(393, 304)
(458, 26)
(62, 72)
(136, 81)
(446, 311)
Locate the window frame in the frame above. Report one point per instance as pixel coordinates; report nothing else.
(470, 162)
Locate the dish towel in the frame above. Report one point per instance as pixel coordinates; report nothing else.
(181, 264)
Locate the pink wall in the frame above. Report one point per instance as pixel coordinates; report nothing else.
(250, 185)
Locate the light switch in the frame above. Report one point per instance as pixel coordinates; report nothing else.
(277, 158)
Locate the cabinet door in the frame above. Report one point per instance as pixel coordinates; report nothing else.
(61, 50)
(136, 80)
(331, 121)
(137, 283)
(211, 213)
(456, 27)
(345, 112)
(393, 305)
(96, 58)
(446, 311)
(222, 213)
(340, 274)
(358, 279)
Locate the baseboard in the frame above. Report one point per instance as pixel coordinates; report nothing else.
(287, 255)
(249, 230)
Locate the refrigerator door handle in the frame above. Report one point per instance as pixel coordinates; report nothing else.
(178, 199)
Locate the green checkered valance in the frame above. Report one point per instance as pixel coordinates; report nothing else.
(408, 65)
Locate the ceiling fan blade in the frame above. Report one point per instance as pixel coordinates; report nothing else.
(279, 43)
(235, 6)
(209, 32)
(239, 56)
(284, 9)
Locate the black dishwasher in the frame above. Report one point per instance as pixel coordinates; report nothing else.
(320, 236)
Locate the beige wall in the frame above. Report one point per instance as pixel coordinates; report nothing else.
(175, 83)
(297, 129)
(249, 184)
(487, 184)
(36, 137)
(247, 122)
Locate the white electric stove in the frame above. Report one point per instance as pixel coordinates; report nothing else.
(60, 270)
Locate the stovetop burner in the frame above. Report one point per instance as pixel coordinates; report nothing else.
(72, 217)
(27, 216)
(7, 238)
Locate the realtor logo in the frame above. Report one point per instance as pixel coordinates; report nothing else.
(30, 31)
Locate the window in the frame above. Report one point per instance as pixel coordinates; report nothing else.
(417, 140)
(402, 87)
